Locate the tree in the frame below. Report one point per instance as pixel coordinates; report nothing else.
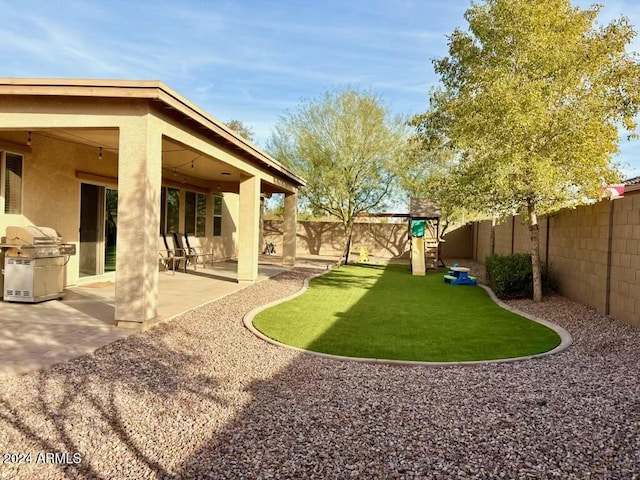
(532, 97)
(344, 144)
(241, 129)
(428, 170)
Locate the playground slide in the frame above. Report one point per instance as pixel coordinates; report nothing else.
(417, 256)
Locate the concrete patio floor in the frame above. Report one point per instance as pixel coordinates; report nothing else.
(34, 336)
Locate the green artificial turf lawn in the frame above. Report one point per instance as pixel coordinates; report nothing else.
(385, 312)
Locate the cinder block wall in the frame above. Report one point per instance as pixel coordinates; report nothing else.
(513, 236)
(482, 240)
(593, 253)
(578, 253)
(624, 299)
(384, 240)
(503, 237)
(458, 243)
(388, 240)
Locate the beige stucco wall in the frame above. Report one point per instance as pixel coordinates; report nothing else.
(226, 246)
(140, 121)
(51, 193)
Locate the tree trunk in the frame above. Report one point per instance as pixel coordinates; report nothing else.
(348, 233)
(535, 253)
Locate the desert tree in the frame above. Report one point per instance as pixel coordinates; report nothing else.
(241, 129)
(533, 95)
(345, 145)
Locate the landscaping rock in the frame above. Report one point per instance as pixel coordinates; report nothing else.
(201, 397)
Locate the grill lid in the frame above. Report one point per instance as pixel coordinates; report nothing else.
(32, 236)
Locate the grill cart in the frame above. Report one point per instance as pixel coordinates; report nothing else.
(34, 261)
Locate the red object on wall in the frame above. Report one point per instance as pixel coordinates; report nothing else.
(614, 191)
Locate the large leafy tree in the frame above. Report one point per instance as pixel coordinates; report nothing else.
(344, 144)
(425, 171)
(533, 95)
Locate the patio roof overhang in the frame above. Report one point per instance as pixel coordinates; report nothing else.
(138, 136)
(164, 99)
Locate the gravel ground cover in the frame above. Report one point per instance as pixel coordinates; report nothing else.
(201, 397)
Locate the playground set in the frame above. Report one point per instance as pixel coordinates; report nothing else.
(424, 234)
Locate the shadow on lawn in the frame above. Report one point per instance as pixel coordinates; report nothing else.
(160, 410)
(327, 419)
(398, 316)
(342, 279)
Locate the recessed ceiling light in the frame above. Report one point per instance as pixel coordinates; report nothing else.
(225, 173)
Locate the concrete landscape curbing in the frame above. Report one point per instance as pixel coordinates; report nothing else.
(565, 337)
(203, 397)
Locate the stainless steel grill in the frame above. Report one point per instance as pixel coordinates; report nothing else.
(34, 260)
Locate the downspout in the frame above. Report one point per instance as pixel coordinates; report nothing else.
(609, 248)
(513, 231)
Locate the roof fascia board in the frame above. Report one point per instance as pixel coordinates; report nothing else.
(143, 89)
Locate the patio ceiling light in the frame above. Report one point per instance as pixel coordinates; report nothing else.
(29, 139)
(100, 154)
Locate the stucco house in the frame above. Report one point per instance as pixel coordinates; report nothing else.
(82, 156)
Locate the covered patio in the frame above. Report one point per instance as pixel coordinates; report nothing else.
(34, 336)
(110, 164)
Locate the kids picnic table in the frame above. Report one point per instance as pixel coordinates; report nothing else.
(459, 276)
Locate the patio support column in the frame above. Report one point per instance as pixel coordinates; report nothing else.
(249, 229)
(139, 181)
(289, 230)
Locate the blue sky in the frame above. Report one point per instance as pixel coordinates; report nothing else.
(250, 60)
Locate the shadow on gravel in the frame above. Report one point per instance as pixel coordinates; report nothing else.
(147, 370)
(203, 398)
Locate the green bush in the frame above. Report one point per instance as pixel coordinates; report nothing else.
(511, 276)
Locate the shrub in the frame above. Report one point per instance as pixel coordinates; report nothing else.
(511, 276)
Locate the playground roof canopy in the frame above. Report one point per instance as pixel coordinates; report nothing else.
(421, 208)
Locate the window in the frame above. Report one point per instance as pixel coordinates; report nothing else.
(169, 210)
(11, 181)
(217, 216)
(195, 213)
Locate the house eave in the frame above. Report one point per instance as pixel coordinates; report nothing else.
(153, 91)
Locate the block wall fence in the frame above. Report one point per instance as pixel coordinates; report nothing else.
(592, 251)
(384, 240)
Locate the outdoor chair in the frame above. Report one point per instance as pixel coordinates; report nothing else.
(193, 243)
(269, 249)
(166, 260)
(180, 241)
(172, 256)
